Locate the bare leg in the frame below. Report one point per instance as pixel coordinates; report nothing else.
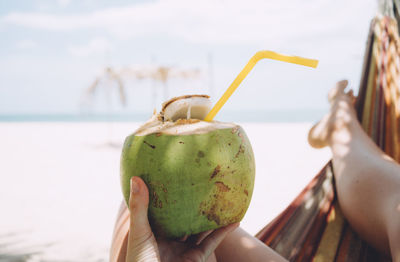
(367, 180)
(241, 246)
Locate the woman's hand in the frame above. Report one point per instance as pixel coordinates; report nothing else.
(143, 246)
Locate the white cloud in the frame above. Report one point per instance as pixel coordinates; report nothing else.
(210, 21)
(95, 46)
(26, 44)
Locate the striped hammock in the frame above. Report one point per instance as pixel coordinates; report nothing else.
(312, 228)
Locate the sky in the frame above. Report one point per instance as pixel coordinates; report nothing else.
(52, 51)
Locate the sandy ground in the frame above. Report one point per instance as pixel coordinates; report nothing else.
(59, 188)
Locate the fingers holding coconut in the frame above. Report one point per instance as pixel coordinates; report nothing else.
(195, 239)
(138, 204)
(211, 242)
(201, 236)
(184, 238)
(142, 245)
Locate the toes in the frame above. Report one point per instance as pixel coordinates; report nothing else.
(337, 90)
(320, 133)
(341, 85)
(350, 93)
(351, 96)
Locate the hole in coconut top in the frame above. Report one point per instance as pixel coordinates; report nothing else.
(186, 107)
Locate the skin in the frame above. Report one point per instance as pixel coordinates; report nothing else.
(367, 182)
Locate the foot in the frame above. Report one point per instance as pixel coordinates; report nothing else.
(341, 112)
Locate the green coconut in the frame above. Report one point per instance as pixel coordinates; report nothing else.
(200, 174)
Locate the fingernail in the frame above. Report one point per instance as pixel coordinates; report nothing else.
(134, 186)
(184, 238)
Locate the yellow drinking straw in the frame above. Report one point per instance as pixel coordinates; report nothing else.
(246, 70)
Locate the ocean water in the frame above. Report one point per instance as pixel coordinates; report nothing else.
(275, 116)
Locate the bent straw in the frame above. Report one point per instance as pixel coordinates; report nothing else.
(246, 70)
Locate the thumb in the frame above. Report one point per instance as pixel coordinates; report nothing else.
(138, 206)
(142, 245)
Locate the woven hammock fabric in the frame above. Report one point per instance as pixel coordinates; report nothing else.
(313, 228)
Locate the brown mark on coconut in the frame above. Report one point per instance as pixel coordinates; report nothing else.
(181, 142)
(222, 187)
(235, 129)
(158, 134)
(200, 154)
(241, 150)
(246, 192)
(217, 169)
(220, 207)
(157, 187)
(150, 145)
(213, 217)
(155, 199)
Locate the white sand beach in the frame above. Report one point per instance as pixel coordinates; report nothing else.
(60, 191)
